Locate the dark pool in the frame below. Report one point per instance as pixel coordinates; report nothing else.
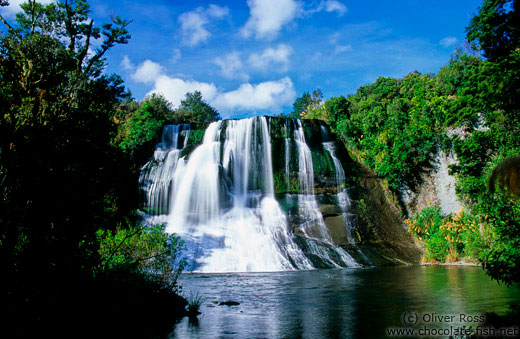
(346, 303)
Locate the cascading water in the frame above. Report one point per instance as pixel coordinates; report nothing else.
(156, 176)
(313, 225)
(342, 197)
(220, 199)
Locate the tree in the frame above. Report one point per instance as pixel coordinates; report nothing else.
(195, 110)
(300, 105)
(59, 171)
(69, 22)
(140, 131)
(337, 108)
(496, 28)
(307, 103)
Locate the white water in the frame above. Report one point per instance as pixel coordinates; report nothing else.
(156, 176)
(342, 196)
(251, 232)
(221, 201)
(313, 225)
(287, 142)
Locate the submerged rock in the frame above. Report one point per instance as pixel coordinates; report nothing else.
(229, 303)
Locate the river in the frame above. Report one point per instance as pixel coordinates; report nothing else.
(340, 303)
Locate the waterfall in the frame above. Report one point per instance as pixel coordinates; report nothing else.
(313, 225)
(287, 142)
(220, 199)
(156, 176)
(223, 203)
(342, 196)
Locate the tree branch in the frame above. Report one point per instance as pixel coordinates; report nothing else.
(137, 230)
(9, 27)
(84, 52)
(69, 27)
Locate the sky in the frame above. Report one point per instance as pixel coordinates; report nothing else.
(254, 57)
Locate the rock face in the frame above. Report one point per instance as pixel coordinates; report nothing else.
(437, 187)
(266, 193)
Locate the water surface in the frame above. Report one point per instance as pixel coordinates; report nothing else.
(337, 303)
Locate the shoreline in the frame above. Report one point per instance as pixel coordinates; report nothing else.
(456, 263)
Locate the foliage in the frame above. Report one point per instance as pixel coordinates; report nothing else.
(446, 238)
(495, 29)
(195, 110)
(300, 105)
(501, 258)
(150, 251)
(306, 104)
(507, 176)
(141, 128)
(58, 164)
(62, 173)
(392, 124)
(194, 304)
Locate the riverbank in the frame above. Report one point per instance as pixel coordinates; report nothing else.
(455, 263)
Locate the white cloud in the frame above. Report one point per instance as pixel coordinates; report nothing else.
(176, 55)
(272, 57)
(175, 89)
(269, 95)
(14, 6)
(147, 72)
(265, 95)
(333, 6)
(267, 17)
(342, 49)
(217, 12)
(127, 64)
(448, 41)
(334, 38)
(328, 6)
(231, 66)
(193, 24)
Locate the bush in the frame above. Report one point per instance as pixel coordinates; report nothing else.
(145, 250)
(449, 238)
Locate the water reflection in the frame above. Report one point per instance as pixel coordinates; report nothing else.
(345, 303)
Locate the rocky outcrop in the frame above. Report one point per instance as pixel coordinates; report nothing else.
(372, 228)
(437, 187)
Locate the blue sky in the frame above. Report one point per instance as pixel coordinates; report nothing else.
(255, 57)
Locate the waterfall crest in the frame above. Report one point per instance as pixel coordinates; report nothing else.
(221, 198)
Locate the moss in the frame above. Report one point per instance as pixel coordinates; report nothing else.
(196, 136)
(323, 163)
(284, 184)
(194, 140)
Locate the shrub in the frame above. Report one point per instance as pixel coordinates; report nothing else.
(145, 250)
(447, 238)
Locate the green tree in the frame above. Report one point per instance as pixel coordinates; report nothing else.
(141, 129)
(194, 109)
(300, 105)
(62, 177)
(496, 28)
(337, 108)
(307, 104)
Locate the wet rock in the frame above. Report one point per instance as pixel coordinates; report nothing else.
(330, 210)
(336, 228)
(229, 303)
